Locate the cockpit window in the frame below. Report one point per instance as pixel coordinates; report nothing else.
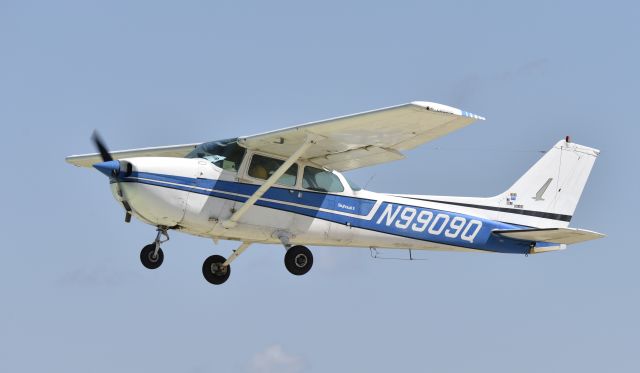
(321, 180)
(263, 167)
(226, 154)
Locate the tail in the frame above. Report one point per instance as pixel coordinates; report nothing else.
(546, 196)
(551, 189)
(542, 201)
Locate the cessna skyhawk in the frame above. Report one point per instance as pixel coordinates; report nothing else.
(286, 187)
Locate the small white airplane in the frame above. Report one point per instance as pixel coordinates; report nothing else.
(285, 187)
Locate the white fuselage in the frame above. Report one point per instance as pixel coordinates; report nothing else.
(195, 196)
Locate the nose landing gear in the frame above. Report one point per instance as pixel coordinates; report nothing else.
(151, 255)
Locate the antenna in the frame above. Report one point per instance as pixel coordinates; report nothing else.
(368, 181)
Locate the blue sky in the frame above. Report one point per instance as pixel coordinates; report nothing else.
(75, 297)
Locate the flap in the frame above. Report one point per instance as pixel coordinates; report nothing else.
(356, 158)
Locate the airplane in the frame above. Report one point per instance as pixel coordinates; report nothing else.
(286, 187)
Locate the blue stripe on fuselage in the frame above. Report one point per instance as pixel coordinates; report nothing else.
(310, 202)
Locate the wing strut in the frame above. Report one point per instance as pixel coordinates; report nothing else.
(233, 220)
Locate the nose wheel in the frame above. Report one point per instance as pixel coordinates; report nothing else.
(150, 258)
(151, 255)
(298, 260)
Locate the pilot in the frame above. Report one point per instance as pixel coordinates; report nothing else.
(258, 171)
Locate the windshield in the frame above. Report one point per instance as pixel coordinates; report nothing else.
(226, 154)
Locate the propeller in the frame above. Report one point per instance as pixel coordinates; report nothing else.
(112, 168)
(102, 148)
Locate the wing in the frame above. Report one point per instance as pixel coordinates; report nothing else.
(365, 139)
(87, 160)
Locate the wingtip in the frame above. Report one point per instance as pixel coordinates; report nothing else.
(471, 115)
(446, 109)
(70, 159)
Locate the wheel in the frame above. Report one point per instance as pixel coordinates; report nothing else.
(148, 259)
(213, 270)
(298, 260)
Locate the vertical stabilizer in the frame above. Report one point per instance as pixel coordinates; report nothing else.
(554, 184)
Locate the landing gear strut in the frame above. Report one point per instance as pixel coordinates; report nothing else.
(151, 255)
(298, 260)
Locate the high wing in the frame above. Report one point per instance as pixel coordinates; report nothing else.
(342, 143)
(367, 138)
(87, 160)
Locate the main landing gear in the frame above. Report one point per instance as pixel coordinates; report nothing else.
(151, 255)
(216, 269)
(298, 260)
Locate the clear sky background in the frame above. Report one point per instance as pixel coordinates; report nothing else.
(75, 298)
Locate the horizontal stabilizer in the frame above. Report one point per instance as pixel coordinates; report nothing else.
(554, 235)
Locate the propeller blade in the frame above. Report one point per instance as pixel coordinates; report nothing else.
(111, 168)
(102, 148)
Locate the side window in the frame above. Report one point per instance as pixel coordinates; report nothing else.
(321, 180)
(263, 167)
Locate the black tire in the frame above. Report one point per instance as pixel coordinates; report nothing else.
(213, 271)
(147, 259)
(298, 260)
